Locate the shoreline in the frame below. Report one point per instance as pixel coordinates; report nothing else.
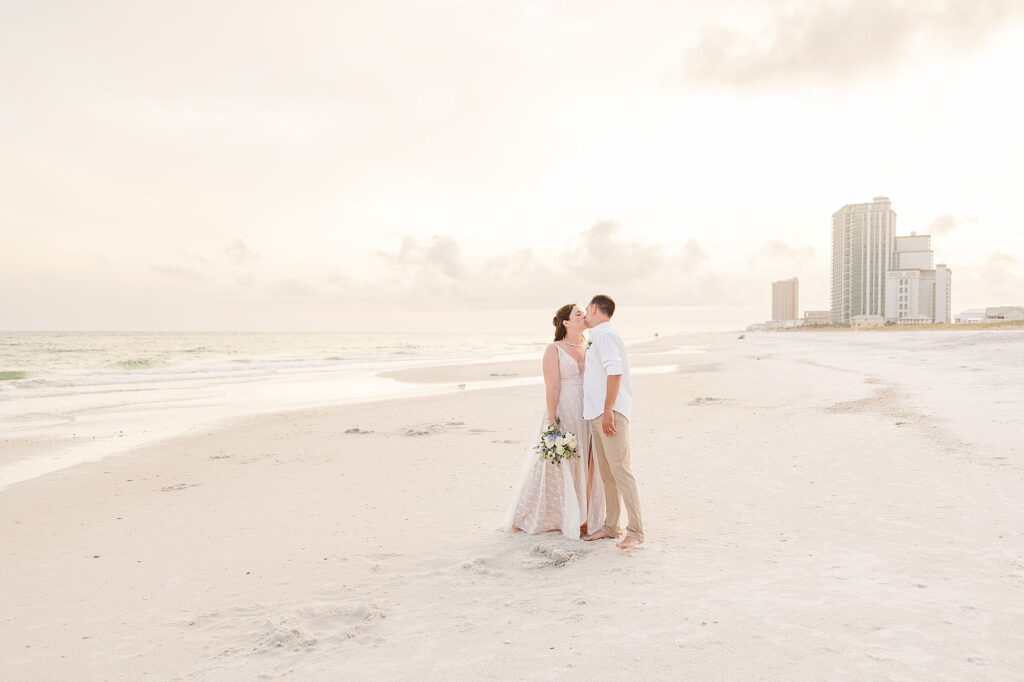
(67, 432)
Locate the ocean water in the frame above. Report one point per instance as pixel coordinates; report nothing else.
(73, 397)
(70, 397)
(59, 362)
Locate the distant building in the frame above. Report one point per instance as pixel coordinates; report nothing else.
(972, 316)
(943, 294)
(786, 300)
(913, 252)
(913, 288)
(817, 318)
(862, 245)
(1006, 312)
(909, 293)
(920, 319)
(773, 325)
(865, 321)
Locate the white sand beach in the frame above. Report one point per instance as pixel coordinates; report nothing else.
(818, 506)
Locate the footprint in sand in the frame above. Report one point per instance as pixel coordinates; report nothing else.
(704, 401)
(480, 567)
(263, 630)
(312, 625)
(177, 486)
(542, 556)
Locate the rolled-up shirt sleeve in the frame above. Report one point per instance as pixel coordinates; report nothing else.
(609, 354)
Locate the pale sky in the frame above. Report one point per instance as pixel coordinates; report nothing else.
(397, 166)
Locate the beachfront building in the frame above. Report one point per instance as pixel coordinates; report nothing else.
(867, 321)
(914, 289)
(862, 244)
(943, 294)
(972, 316)
(786, 300)
(773, 325)
(817, 318)
(913, 252)
(1003, 313)
(909, 293)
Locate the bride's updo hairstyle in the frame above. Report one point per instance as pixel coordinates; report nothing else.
(563, 315)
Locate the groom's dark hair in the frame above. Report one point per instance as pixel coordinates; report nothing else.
(605, 304)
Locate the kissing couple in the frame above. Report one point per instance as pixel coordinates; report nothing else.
(588, 394)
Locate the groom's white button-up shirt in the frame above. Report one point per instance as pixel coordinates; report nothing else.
(605, 357)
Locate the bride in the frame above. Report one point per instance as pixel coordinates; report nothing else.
(568, 496)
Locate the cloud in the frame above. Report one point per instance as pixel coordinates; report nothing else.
(240, 254)
(942, 225)
(603, 250)
(693, 256)
(1000, 259)
(1005, 272)
(825, 43)
(998, 280)
(180, 272)
(441, 253)
(779, 250)
(437, 273)
(947, 223)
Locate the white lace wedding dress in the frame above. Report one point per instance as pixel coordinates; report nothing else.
(568, 495)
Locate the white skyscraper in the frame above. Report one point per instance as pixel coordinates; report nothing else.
(862, 244)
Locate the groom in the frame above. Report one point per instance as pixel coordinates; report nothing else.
(607, 395)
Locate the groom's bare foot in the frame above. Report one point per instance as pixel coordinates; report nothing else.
(629, 543)
(599, 535)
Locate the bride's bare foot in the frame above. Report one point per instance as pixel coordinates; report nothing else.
(629, 543)
(599, 535)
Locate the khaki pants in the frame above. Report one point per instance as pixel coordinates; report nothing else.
(613, 461)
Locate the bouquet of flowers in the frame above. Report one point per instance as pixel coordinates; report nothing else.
(555, 446)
